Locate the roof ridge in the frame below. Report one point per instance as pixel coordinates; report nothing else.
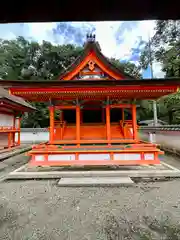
(94, 45)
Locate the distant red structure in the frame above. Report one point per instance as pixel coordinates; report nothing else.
(10, 108)
(91, 98)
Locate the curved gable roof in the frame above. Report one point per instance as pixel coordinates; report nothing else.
(93, 47)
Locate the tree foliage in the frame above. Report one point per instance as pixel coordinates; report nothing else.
(165, 49)
(128, 68)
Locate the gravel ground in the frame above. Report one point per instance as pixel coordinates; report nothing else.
(44, 211)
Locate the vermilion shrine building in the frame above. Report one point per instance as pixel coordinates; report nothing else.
(10, 109)
(91, 98)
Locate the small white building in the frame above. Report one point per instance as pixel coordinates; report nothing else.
(10, 109)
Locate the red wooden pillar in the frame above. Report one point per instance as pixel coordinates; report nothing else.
(61, 118)
(9, 139)
(78, 124)
(51, 128)
(108, 123)
(19, 127)
(14, 127)
(134, 122)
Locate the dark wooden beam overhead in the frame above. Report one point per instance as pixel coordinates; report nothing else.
(49, 11)
(85, 83)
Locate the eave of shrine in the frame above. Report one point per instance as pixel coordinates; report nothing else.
(127, 89)
(11, 103)
(10, 106)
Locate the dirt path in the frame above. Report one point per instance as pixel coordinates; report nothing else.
(41, 210)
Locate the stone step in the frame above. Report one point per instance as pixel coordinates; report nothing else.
(95, 181)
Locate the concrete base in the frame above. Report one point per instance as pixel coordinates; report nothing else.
(91, 181)
(159, 171)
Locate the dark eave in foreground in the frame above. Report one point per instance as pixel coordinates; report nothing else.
(87, 83)
(60, 11)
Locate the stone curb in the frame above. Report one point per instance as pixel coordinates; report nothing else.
(81, 174)
(14, 153)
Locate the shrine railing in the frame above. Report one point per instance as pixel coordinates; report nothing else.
(140, 128)
(37, 135)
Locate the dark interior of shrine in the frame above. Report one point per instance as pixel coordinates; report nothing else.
(95, 115)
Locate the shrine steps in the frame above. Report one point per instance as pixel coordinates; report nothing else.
(95, 181)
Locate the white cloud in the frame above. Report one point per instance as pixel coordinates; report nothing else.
(41, 31)
(157, 70)
(106, 35)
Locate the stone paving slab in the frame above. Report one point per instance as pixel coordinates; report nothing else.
(95, 181)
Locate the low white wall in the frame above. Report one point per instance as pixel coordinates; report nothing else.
(40, 135)
(30, 137)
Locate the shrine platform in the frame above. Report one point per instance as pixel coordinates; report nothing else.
(124, 154)
(137, 172)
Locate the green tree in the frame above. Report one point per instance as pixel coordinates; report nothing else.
(127, 67)
(21, 59)
(165, 49)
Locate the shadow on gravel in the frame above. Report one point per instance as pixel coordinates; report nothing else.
(148, 229)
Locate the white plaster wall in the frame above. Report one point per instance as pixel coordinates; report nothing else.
(6, 120)
(30, 137)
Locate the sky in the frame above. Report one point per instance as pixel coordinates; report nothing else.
(123, 40)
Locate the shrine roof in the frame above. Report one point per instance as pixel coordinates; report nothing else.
(129, 89)
(4, 94)
(92, 45)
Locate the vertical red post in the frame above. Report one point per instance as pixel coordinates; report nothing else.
(134, 122)
(61, 118)
(19, 127)
(14, 127)
(78, 123)
(9, 139)
(51, 128)
(108, 123)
